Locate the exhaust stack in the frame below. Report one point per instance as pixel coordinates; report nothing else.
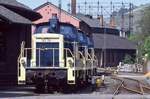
(112, 23)
(73, 7)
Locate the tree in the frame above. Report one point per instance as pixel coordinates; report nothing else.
(147, 47)
(145, 35)
(128, 59)
(145, 22)
(142, 38)
(139, 41)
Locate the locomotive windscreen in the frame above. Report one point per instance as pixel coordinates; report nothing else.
(47, 55)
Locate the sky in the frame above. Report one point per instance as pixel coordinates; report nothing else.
(35, 3)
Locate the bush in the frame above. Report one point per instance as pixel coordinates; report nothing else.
(128, 59)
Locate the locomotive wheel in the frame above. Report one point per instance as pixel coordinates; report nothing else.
(40, 89)
(50, 89)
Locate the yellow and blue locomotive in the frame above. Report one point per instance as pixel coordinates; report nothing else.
(60, 56)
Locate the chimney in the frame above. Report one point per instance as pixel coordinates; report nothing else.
(101, 20)
(73, 7)
(112, 22)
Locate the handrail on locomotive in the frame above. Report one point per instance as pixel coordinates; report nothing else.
(24, 54)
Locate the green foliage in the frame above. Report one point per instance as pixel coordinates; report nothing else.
(147, 46)
(145, 35)
(145, 22)
(128, 59)
(142, 38)
(133, 37)
(138, 40)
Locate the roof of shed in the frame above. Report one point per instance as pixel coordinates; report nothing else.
(108, 41)
(21, 9)
(11, 16)
(49, 3)
(90, 21)
(13, 3)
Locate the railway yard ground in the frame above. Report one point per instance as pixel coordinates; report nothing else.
(120, 86)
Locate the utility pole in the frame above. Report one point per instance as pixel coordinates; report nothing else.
(122, 17)
(98, 10)
(79, 8)
(102, 16)
(130, 18)
(69, 7)
(59, 10)
(85, 6)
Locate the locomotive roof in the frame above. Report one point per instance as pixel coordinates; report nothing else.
(61, 23)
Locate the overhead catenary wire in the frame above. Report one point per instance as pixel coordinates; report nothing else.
(106, 10)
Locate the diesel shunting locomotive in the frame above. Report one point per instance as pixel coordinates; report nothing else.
(61, 56)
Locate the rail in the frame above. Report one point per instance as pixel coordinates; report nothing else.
(89, 56)
(95, 58)
(20, 55)
(82, 56)
(140, 84)
(120, 85)
(67, 49)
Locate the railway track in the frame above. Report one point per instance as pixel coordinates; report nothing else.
(138, 87)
